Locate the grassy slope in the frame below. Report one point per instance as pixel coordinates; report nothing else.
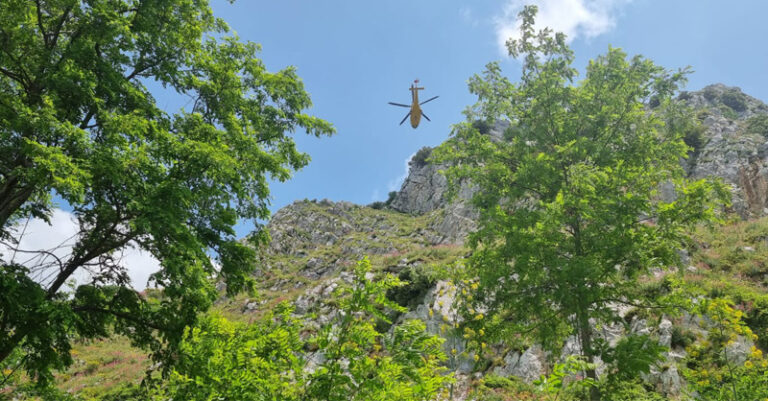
(730, 260)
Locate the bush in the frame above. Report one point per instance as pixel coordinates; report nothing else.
(378, 205)
(694, 137)
(390, 198)
(728, 112)
(682, 338)
(420, 158)
(758, 124)
(419, 280)
(684, 95)
(734, 99)
(710, 93)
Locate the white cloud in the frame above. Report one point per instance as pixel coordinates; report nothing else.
(468, 15)
(575, 18)
(58, 239)
(376, 195)
(396, 183)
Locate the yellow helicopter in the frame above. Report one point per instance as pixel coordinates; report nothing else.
(415, 111)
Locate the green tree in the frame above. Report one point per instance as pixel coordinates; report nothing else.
(78, 121)
(570, 202)
(363, 364)
(223, 360)
(234, 361)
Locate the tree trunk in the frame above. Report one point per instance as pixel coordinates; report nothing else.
(585, 334)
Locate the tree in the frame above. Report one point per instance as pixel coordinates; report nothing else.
(78, 121)
(570, 202)
(262, 361)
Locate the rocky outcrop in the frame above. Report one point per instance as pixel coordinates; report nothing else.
(423, 190)
(316, 242)
(731, 150)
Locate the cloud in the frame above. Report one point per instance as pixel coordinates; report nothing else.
(468, 16)
(395, 183)
(575, 18)
(58, 239)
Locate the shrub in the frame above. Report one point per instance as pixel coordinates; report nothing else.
(390, 198)
(418, 281)
(728, 112)
(420, 158)
(758, 124)
(682, 338)
(378, 205)
(694, 137)
(684, 95)
(710, 93)
(734, 99)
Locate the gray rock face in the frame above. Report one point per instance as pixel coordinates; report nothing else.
(422, 191)
(304, 230)
(730, 152)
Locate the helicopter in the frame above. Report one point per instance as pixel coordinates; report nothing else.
(415, 111)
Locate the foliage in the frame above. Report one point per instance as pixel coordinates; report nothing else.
(567, 375)
(734, 261)
(570, 213)
(734, 99)
(390, 197)
(498, 388)
(378, 205)
(79, 123)
(417, 280)
(631, 357)
(712, 372)
(681, 338)
(420, 159)
(728, 112)
(710, 93)
(224, 360)
(362, 364)
(758, 124)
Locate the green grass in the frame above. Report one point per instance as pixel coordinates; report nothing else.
(103, 366)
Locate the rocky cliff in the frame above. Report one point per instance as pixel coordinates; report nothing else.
(314, 242)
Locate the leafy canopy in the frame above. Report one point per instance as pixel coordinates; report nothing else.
(582, 194)
(261, 361)
(78, 121)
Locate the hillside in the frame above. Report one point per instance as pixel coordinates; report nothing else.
(419, 236)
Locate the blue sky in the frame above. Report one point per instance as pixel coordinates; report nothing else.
(355, 56)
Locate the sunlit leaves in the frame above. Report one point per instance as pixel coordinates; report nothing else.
(78, 120)
(581, 193)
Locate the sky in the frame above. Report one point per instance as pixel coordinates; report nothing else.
(355, 56)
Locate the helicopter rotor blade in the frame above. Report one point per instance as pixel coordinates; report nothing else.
(429, 100)
(425, 116)
(399, 104)
(404, 118)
